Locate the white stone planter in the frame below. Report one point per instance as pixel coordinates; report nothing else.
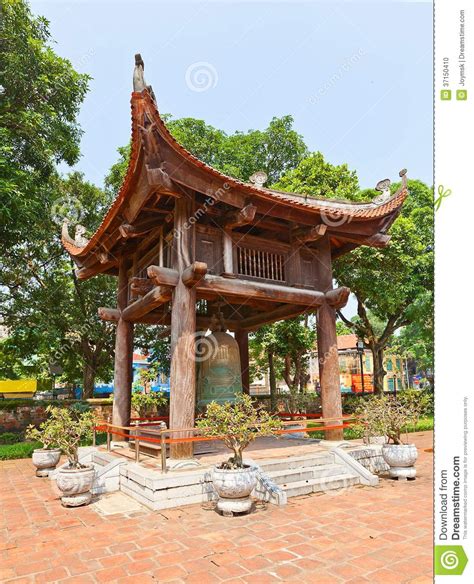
(75, 484)
(45, 460)
(401, 459)
(234, 488)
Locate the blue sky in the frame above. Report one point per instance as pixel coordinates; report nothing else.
(357, 77)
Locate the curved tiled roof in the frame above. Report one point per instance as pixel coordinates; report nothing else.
(142, 102)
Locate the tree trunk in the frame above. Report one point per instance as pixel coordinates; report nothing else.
(272, 382)
(88, 379)
(379, 371)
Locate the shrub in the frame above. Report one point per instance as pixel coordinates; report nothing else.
(146, 404)
(237, 424)
(388, 416)
(10, 438)
(65, 428)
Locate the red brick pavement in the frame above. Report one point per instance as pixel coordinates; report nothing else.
(362, 534)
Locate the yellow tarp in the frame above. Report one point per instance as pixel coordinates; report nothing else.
(18, 386)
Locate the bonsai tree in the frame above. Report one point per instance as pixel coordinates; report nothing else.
(148, 403)
(65, 428)
(388, 416)
(237, 424)
(45, 434)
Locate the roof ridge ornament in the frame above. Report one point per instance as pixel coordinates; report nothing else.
(79, 240)
(139, 83)
(259, 178)
(403, 175)
(383, 186)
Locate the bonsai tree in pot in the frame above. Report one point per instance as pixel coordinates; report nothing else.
(71, 427)
(391, 417)
(238, 424)
(45, 459)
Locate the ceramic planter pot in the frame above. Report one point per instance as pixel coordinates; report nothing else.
(75, 485)
(45, 460)
(234, 488)
(401, 459)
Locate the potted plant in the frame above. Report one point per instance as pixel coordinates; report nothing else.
(45, 459)
(71, 427)
(390, 417)
(237, 424)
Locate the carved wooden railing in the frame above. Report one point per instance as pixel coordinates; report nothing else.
(258, 263)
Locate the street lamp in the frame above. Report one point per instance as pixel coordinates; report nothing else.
(360, 352)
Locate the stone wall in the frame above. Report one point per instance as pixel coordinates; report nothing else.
(17, 419)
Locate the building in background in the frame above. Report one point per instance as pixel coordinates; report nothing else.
(350, 368)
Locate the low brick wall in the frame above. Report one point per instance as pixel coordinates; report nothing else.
(17, 419)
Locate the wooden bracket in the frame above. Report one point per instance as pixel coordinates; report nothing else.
(338, 297)
(194, 273)
(303, 236)
(241, 217)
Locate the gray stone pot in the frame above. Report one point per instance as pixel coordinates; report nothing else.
(75, 485)
(234, 488)
(401, 459)
(45, 460)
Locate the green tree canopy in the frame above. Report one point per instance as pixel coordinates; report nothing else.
(41, 95)
(275, 150)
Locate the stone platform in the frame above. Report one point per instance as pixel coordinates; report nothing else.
(285, 468)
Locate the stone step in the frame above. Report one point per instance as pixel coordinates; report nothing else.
(102, 458)
(297, 462)
(283, 477)
(330, 483)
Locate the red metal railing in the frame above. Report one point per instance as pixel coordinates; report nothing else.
(131, 432)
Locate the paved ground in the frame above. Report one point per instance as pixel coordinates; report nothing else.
(378, 535)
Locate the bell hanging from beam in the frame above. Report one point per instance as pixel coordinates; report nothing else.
(218, 358)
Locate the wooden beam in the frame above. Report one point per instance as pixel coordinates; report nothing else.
(376, 240)
(338, 297)
(259, 290)
(156, 296)
(312, 234)
(141, 286)
(240, 217)
(163, 318)
(85, 273)
(194, 273)
(109, 314)
(281, 313)
(163, 276)
(141, 228)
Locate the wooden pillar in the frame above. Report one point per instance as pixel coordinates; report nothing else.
(183, 327)
(123, 364)
(328, 356)
(242, 338)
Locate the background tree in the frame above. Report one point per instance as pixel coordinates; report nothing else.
(51, 317)
(393, 286)
(41, 95)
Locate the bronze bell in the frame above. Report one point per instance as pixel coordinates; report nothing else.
(218, 360)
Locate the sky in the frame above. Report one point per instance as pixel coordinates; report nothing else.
(356, 76)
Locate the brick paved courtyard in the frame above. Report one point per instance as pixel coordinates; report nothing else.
(362, 534)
